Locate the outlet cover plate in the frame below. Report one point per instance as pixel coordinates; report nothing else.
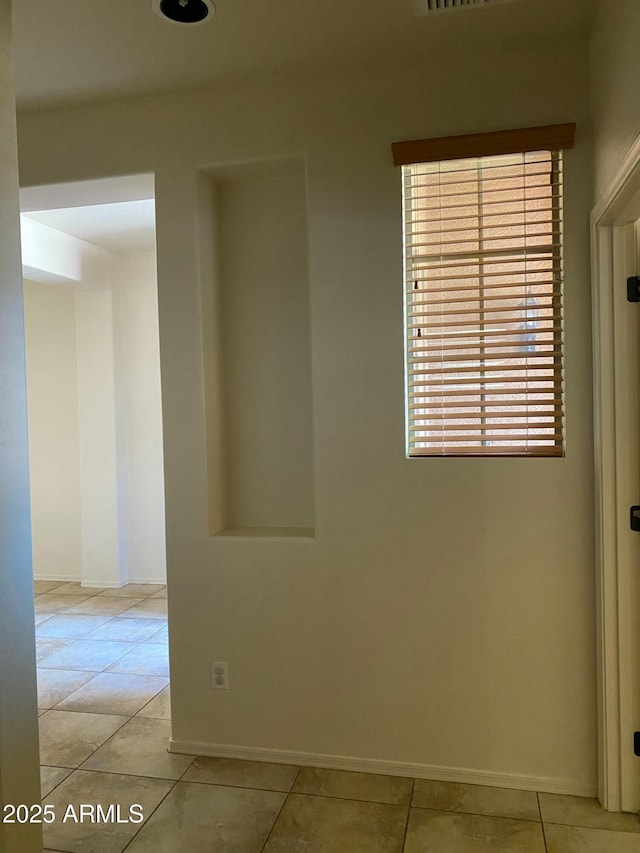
(219, 675)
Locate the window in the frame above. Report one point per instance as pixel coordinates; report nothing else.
(483, 293)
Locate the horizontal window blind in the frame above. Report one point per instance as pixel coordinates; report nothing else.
(483, 283)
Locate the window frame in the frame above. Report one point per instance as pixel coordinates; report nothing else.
(552, 139)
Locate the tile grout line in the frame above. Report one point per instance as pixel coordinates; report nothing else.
(406, 825)
(476, 814)
(240, 787)
(295, 779)
(92, 594)
(109, 713)
(147, 819)
(57, 785)
(126, 609)
(236, 787)
(276, 791)
(93, 677)
(84, 636)
(151, 814)
(284, 802)
(72, 598)
(544, 834)
(277, 818)
(632, 832)
(131, 775)
(106, 741)
(329, 797)
(168, 684)
(186, 769)
(122, 654)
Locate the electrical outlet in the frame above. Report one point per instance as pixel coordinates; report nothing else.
(220, 675)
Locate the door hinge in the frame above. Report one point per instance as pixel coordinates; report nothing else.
(633, 288)
(634, 517)
(636, 743)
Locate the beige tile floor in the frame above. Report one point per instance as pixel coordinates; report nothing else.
(104, 726)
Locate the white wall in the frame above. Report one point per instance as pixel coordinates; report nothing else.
(442, 620)
(140, 417)
(19, 777)
(51, 256)
(52, 398)
(615, 81)
(95, 412)
(264, 284)
(102, 563)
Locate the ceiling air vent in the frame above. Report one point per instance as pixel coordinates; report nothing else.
(426, 7)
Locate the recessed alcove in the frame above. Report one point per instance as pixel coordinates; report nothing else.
(256, 342)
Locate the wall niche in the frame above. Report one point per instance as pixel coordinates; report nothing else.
(257, 352)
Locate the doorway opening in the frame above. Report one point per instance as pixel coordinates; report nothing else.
(96, 470)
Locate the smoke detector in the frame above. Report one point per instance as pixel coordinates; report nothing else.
(427, 7)
(184, 12)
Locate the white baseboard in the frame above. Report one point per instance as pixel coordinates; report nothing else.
(78, 579)
(61, 578)
(97, 583)
(550, 785)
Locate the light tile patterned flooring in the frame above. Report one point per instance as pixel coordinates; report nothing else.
(104, 727)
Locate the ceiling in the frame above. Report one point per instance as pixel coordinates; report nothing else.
(118, 227)
(83, 193)
(70, 51)
(117, 214)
